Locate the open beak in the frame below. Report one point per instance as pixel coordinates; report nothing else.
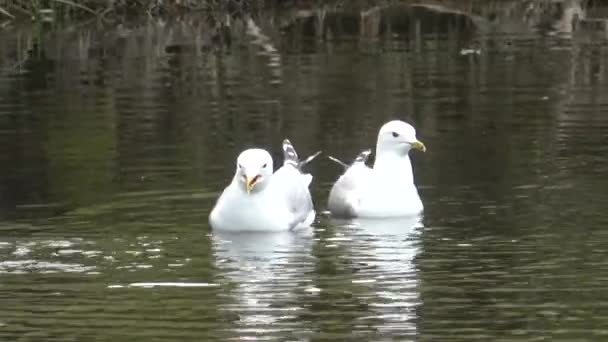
(251, 182)
(418, 145)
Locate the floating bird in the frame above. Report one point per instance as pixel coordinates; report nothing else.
(387, 189)
(259, 200)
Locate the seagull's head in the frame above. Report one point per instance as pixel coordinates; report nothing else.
(398, 137)
(253, 169)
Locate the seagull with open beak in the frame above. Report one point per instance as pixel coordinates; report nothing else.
(259, 199)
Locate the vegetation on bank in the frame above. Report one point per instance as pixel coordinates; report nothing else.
(61, 10)
(111, 10)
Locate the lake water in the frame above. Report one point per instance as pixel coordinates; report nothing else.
(114, 145)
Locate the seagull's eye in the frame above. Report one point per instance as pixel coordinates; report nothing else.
(395, 134)
(240, 166)
(264, 166)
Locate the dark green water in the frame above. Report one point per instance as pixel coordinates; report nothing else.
(115, 144)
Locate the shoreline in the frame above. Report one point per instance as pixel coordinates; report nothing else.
(61, 12)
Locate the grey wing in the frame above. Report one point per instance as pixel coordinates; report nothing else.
(294, 186)
(344, 192)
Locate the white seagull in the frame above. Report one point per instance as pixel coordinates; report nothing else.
(259, 200)
(387, 189)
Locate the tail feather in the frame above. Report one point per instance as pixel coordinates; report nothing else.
(309, 159)
(361, 158)
(291, 156)
(334, 159)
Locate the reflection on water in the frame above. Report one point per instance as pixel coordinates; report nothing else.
(387, 248)
(115, 143)
(268, 269)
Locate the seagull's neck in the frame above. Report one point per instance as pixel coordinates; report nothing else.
(394, 166)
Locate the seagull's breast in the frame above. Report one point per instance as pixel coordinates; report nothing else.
(388, 194)
(250, 212)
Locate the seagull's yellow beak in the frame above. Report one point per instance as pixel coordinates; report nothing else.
(251, 182)
(418, 145)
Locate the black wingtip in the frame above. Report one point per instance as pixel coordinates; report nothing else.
(362, 157)
(289, 153)
(291, 156)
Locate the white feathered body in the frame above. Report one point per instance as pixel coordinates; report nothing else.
(284, 204)
(387, 190)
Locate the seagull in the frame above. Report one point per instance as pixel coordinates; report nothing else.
(386, 190)
(259, 200)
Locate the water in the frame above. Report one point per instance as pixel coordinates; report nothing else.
(114, 145)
